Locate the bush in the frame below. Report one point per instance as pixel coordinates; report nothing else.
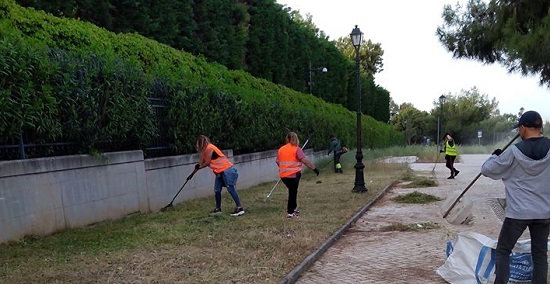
(66, 80)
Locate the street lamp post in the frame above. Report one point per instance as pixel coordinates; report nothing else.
(440, 118)
(356, 39)
(311, 70)
(405, 129)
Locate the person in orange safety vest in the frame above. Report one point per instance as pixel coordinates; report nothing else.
(289, 159)
(226, 173)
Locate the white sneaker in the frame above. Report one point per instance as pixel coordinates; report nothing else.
(238, 212)
(293, 215)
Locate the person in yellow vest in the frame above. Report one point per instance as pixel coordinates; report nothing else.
(226, 173)
(290, 159)
(450, 155)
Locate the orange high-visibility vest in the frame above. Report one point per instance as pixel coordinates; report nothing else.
(219, 164)
(288, 163)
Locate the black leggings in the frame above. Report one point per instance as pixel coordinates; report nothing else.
(292, 185)
(450, 163)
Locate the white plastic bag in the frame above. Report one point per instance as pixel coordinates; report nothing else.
(471, 260)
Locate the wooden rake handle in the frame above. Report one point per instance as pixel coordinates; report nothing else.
(473, 181)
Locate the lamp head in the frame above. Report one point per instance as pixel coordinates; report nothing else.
(356, 37)
(442, 99)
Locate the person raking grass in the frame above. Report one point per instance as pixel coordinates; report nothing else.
(525, 172)
(226, 173)
(289, 159)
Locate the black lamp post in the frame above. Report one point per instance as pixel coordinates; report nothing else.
(311, 70)
(405, 129)
(440, 118)
(356, 39)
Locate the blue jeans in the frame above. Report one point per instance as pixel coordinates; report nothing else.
(510, 232)
(227, 178)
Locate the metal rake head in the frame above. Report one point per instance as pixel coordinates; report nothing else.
(498, 205)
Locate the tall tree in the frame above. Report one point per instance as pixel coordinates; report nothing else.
(370, 55)
(415, 124)
(514, 33)
(463, 112)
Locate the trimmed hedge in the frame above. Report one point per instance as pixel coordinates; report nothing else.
(66, 80)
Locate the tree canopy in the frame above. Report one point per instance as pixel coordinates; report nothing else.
(513, 33)
(370, 55)
(463, 114)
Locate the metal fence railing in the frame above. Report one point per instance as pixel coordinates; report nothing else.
(24, 147)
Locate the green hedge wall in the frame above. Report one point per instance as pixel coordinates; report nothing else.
(66, 80)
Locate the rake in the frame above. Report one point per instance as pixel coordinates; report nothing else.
(473, 181)
(171, 204)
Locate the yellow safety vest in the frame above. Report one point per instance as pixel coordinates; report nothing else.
(451, 151)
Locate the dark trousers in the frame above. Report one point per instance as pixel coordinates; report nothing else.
(292, 185)
(510, 232)
(337, 156)
(450, 164)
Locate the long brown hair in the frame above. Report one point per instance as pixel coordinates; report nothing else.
(292, 138)
(202, 142)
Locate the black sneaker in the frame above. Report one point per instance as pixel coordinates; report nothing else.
(238, 211)
(451, 177)
(456, 172)
(216, 211)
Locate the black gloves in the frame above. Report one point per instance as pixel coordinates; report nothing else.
(441, 151)
(497, 152)
(316, 171)
(197, 166)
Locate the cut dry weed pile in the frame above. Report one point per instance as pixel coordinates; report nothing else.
(187, 245)
(416, 198)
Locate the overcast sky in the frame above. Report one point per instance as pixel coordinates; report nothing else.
(417, 69)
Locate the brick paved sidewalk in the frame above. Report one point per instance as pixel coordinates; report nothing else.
(364, 254)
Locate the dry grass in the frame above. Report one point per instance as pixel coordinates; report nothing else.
(416, 227)
(186, 245)
(415, 180)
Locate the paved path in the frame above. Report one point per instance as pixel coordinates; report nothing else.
(366, 254)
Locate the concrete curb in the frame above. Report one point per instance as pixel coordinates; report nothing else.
(293, 275)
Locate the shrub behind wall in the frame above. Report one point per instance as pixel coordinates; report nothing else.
(92, 87)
